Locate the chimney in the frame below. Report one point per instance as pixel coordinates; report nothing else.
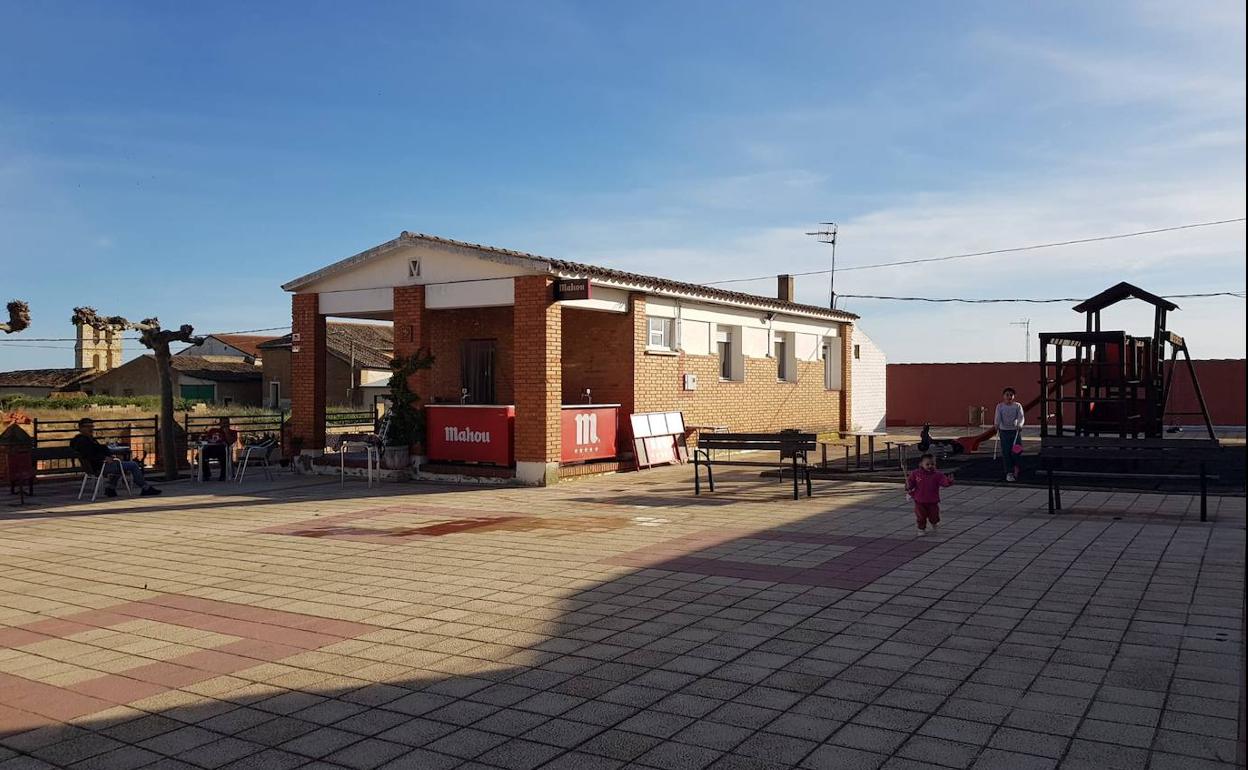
(784, 287)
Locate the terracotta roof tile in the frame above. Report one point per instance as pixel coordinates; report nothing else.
(45, 378)
(371, 344)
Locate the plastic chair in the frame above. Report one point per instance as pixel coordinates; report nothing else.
(257, 453)
(88, 476)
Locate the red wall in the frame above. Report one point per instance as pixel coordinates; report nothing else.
(941, 393)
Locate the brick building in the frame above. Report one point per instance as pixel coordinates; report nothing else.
(357, 365)
(527, 341)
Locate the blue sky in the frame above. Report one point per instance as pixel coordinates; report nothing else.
(183, 160)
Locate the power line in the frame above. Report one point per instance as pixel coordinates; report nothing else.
(1011, 250)
(968, 301)
(137, 339)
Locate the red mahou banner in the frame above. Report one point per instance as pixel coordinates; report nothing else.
(480, 434)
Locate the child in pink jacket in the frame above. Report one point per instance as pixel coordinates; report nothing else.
(923, 486)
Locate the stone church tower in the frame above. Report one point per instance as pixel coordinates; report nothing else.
(98, 350)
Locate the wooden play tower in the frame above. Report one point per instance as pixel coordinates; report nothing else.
(1110, 383)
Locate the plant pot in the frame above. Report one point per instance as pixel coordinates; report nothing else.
(395, 457)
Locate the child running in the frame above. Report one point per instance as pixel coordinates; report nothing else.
(923, 486)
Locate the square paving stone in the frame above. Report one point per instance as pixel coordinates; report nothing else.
(467, 743)
(520, 755)
(1027, 742)
(713, 735)
(1092, 754)
(679, 756)
(804, 726)
(774, 747)
(831, 757)
(618, 744)
(938, 751)
(869, 738)
(564, 733)
(997, 759)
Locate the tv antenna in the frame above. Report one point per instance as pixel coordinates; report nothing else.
(827, 234)
(1026, 324)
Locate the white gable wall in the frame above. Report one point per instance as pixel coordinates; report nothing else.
(868, 378)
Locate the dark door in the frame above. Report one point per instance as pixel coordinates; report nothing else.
(477, 370)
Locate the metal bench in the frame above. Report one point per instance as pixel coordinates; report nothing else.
(1149, 458)
(793, 446)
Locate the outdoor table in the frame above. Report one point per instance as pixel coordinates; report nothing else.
(870, 436)
(199, 446)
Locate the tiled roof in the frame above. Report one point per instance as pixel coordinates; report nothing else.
(215, 369)
(247, 343)
(45, 378)
(372, 344)
(566, 268)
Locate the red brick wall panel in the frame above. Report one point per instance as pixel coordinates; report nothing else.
(307, 387)
(538, 340)
(941, 393)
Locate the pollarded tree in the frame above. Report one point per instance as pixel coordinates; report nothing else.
(157, 340)
(19, 317)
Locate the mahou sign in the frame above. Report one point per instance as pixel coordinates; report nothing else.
(479, 434)
(588, 433)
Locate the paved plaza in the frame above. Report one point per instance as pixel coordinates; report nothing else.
(615, 622)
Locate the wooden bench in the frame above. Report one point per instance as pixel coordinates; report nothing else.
(793, 446)
(1149, 458)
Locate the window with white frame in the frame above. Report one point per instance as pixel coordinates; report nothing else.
(833, 377)
(728, 348)
(783, 348)
(660, 333)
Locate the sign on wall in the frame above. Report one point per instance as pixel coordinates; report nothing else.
(588, 433)
(567, 289)
(481, 434)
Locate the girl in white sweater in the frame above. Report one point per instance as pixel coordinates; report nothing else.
(1009, 424)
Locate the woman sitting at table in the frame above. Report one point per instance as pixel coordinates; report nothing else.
(218, 442)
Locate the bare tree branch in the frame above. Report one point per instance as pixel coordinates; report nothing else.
(19, 317)
(157, 340)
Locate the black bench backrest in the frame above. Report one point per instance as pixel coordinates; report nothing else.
(774, 442)
(1115, 448)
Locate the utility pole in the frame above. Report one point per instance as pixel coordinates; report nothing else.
(1026, 324)
(827, 234)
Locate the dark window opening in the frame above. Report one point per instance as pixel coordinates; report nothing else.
(477, 371)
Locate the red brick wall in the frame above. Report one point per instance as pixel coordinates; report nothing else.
(412, 333)
(759, 403)
(448, 329)
(307, 389)
(538, 385)
(941, 393)
(598, 354)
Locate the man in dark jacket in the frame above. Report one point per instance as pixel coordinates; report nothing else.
(99, 459)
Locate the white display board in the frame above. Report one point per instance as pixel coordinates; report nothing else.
(658, 438)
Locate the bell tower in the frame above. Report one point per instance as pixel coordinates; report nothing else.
(96, 349)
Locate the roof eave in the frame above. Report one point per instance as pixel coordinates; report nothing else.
(762, 304)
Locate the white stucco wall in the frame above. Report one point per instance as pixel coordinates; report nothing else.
(868, 380)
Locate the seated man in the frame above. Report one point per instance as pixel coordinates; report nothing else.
(221, 440)
(95, 456)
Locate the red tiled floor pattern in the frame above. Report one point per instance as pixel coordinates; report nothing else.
(451, 522)
(267, 636)
(867, 558)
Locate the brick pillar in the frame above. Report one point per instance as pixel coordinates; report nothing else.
(307, 373)
(411, 333)
(538, 377)
(643, 383)
(847, 368)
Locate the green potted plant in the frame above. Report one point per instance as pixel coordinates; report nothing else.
(407, 419)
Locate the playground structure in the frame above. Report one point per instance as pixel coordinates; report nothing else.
(1120, 383)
